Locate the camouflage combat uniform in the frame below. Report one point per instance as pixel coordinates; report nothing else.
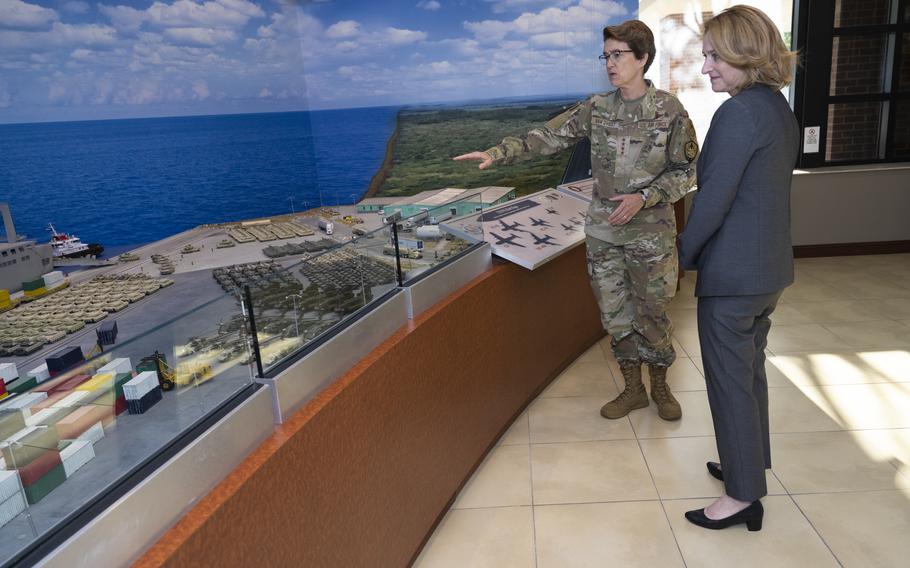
(647, 146)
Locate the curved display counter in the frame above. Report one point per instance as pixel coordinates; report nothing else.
(361, 474)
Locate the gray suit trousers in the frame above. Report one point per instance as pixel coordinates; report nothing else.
(733, 331)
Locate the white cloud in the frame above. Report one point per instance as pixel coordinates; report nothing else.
(431, 5)
(343, 29)
(265, 93)
(201, 90)
(216, 14)
(84, 34)
(76, 7)
(207, 37)
(398, 36)
(576, 18)
(499, 6)
(22, 15)
(123, 17)
(6, 99)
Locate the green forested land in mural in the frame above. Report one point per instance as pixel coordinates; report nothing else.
(428, 139)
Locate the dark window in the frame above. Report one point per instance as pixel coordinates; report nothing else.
(854, 84)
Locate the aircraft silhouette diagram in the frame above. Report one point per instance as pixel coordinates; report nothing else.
(552, 211)
(508, 227)
(544, 240)
(539, 223)
(568, 227)
(510, 240)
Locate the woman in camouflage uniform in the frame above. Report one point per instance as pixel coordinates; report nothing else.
(643, 148)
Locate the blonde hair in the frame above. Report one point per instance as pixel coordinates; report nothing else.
(746, 38)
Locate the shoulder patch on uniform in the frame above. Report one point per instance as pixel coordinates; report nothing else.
(691, 149)
(557, 119)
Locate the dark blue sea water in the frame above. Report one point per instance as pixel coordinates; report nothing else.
(125, 182)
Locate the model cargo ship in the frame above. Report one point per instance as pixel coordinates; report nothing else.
(71, 246)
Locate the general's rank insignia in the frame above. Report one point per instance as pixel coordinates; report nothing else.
(691, 149)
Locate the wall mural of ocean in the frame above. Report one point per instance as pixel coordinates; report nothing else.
(126, 182)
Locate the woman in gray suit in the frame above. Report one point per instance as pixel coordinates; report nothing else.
(738, 239)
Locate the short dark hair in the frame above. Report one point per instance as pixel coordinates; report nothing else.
(637, 35)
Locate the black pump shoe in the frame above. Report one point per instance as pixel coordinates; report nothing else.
(751, 515)
(715, 471)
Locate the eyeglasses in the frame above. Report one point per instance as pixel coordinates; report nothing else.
(615, 55)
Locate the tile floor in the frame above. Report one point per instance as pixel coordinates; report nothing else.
(566, 488)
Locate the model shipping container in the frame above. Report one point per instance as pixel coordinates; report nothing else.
(107, 333)
(35, 284)
(64, 359)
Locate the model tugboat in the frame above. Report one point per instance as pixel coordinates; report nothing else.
(71, 246)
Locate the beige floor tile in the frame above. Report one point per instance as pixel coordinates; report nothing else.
(864, 407)
(785, 314)
(683, 318)
(791, 410)
(687, 338)
(776, 377)
(891, 364)
(594, 354)
(502, 480)
(517, 432)
(808, 337)
(589, 472)
(892, 445)
(574, 419)
(844, 311)
(696, 360)
(822, 462)
(481, 538)
(811, 290)
(842, 368)
(906, 322)
(864, 287)
(786, 539)
(872, 334)
(684, 302)
(893, 308)
(696, 418)
(603, 534)
(678, 468)
(682, 375)
(583, 379)
(864, 530)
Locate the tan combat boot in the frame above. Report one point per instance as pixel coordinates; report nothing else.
(667, 407)
(632, 397)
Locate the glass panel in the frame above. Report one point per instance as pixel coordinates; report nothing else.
(902, 130)
(83, 414)
(861, 12)
(857, 64)
(424, 238)
(853, 131)
(295, 302)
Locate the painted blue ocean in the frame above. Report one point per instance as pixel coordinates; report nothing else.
(126, 182)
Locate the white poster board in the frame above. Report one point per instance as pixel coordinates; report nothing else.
(528, 231)
(583, 189)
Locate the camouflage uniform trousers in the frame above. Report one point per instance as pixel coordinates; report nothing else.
(633, 284)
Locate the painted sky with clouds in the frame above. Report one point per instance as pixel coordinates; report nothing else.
(78, 60)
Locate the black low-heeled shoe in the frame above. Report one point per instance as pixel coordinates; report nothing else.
(751, 515)
(715, 471)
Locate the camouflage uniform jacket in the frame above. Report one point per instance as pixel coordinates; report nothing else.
(649, 148)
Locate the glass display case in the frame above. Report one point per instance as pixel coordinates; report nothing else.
(77, 428)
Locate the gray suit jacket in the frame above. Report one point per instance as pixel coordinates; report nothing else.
(738, 233)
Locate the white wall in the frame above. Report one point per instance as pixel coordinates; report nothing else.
(851, 205)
